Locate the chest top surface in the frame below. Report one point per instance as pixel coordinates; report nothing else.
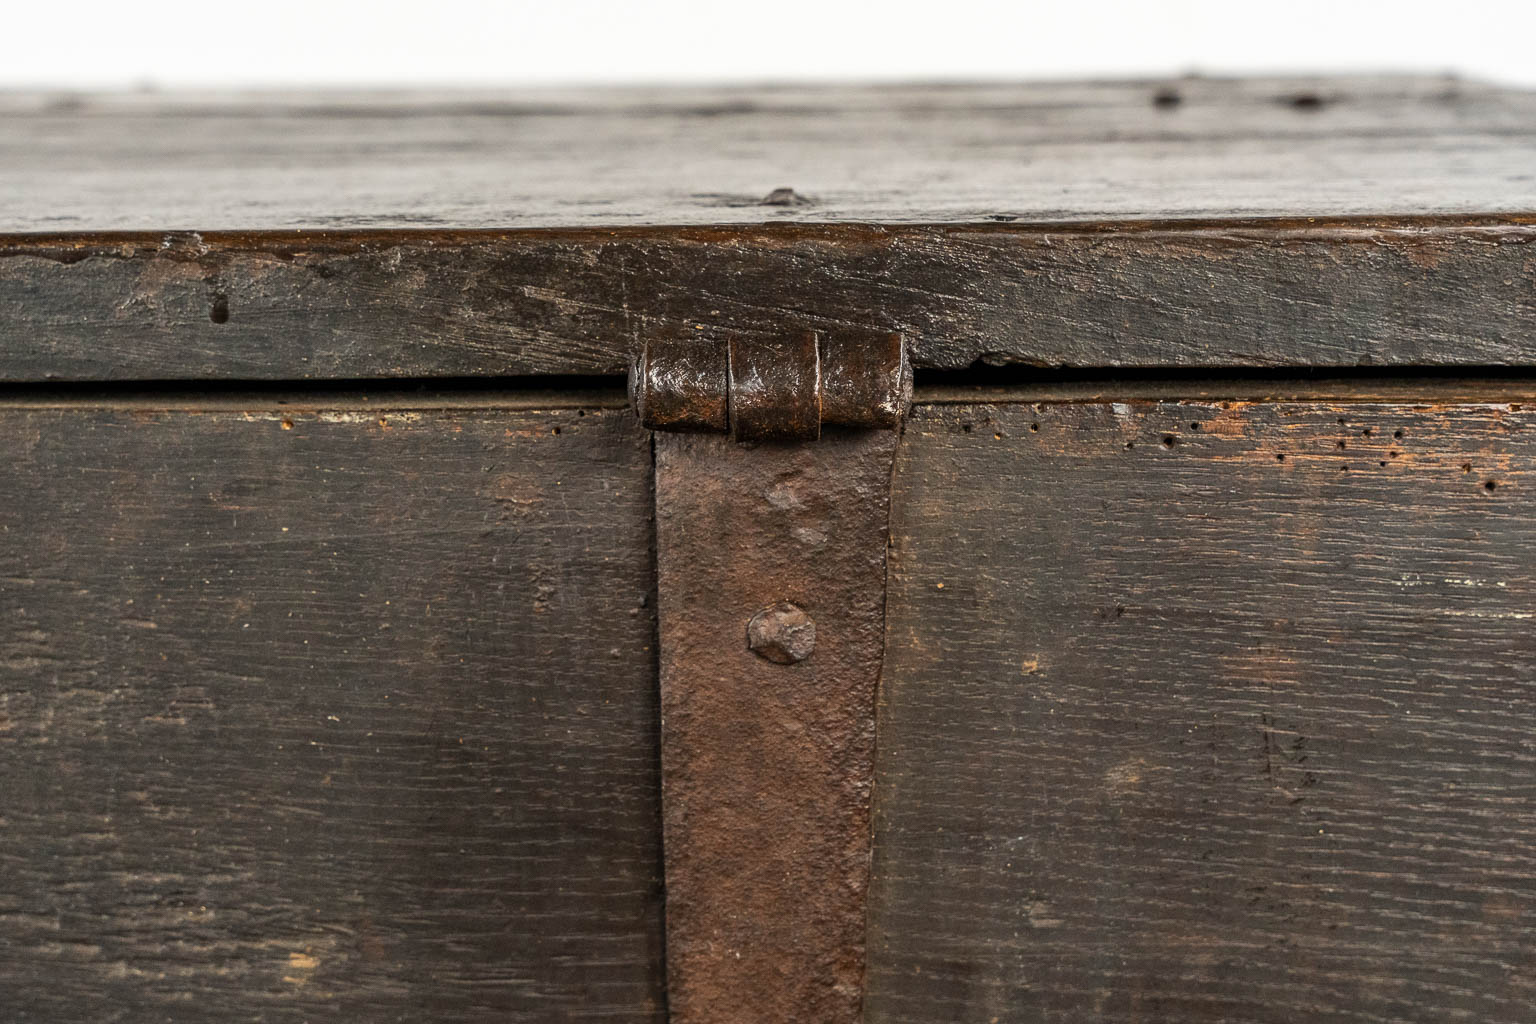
(957, 154)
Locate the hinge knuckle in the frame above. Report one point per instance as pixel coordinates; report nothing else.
(775, 388)
(783, 388)
(866, 380)
(681, 385)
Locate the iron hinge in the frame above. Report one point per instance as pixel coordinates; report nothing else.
(782, 388)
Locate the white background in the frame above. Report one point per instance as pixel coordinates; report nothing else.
(89, 43)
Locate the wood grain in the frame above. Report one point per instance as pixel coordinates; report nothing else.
(1209, 711)
(1191, 147)
(293, 726)
(1181, 223)
(1218, 294)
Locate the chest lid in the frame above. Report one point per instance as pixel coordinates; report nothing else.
(1186, 224)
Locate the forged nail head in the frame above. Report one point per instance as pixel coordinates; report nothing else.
(782, 633)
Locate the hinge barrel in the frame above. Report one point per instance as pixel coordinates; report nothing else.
(773, 389)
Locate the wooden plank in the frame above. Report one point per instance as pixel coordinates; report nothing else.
(1190, 147)
(352, 236)
(1415, 292)
(1209, 711)
(327, 715)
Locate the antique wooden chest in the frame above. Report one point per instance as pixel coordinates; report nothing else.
(903, 555)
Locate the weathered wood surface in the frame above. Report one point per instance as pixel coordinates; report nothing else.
(1209, 712)
(401, 235)
(953, 154)
(293, 726)
(1447, 291)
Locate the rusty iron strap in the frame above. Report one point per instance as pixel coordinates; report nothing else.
(771, 562)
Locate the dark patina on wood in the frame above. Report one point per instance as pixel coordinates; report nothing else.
(771, 574)
(1209, 711)
(1198, 711)
(1215, 293)
(292, 723)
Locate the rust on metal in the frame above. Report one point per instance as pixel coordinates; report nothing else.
(680, 386)
(782, 633)
(766, 553)
(775, 388)
(782, 388)
(866, 379)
